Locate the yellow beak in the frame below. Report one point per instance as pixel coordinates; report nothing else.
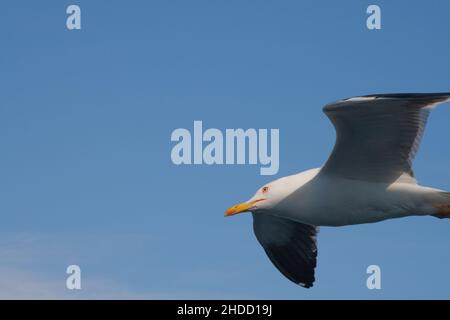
(241, 207)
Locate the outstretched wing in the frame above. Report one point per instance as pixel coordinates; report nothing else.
(290, 245)
(377, 136)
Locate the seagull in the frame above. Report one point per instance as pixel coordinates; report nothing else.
(367, 178)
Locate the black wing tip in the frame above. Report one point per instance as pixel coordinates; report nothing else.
(306, 285)
(431, 95)
(305, 280)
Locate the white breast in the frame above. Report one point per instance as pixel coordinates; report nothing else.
(324, 201)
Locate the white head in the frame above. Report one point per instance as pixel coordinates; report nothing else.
(270, 195)
(266, 198)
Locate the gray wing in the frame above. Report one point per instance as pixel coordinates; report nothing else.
(291, 246)
(377, 136)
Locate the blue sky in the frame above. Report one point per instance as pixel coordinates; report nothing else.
(85, 124)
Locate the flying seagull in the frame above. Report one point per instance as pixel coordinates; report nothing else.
(367, 178)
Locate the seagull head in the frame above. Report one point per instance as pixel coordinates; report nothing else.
(270, 196)
(266, 198)
(257, 202)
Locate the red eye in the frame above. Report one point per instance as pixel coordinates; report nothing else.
(265, 189)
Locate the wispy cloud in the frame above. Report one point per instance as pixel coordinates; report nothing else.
(32, 266)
